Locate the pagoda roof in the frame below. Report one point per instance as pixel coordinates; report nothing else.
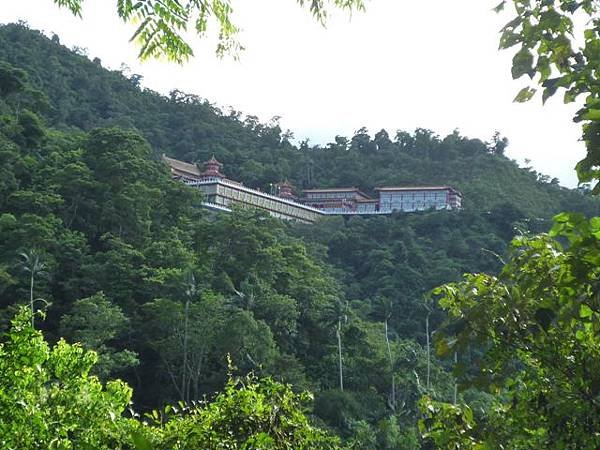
(180, 166)
(213, 160)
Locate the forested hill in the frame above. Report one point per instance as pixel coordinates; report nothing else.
(127, 264)
(84, 95)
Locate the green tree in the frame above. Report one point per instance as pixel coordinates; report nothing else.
(95, 322)
(249, 413)
(337, 316)
(538, 323)
(184, 336)
(49, 400)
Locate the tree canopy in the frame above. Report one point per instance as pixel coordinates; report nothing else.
(162, 291)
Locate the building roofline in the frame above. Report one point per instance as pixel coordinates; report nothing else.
(417, 188)
(352, 189)
(182, 166)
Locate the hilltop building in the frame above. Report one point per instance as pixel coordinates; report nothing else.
(389, 199)
(417, 198)
(340, 201)
(220, 193)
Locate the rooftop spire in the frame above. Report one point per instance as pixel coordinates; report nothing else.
(212, 169)
(286, 190)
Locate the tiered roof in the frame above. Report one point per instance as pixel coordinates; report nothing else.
(212, 169)
(286, 190)
(180, 168)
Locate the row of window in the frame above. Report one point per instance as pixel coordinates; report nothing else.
(320, 195)
(265, 203)
(414, 195)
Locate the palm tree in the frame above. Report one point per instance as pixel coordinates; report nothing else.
(32, 264)
(383, 310)
(337, 315)
(191, 291)
(429, 310)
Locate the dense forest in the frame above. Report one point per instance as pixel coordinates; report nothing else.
(121, 258)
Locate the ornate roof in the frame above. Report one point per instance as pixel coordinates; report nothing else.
(418, 188)
(212, 168)
(286, 190)
(181, 168)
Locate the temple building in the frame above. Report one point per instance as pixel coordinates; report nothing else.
(221, 193)
(418, 198)
(341, 201)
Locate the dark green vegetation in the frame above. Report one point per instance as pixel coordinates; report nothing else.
(538, 321)
(91, 223)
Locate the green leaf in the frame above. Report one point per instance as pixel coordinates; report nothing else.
(522, 63)
(140, 442)
(500, 6)
(524, 95)
(585, 311)
(591, 114)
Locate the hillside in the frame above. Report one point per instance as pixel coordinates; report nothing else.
(131, 264)
(84, 95)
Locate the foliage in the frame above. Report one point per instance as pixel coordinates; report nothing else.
(538, 323)
(95, 322)
(49, 400)
(247, 414)
(559, 44)
(182, 288)
(161, 25)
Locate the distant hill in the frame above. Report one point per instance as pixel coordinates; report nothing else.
(84, 95)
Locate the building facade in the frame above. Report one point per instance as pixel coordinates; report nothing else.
(419, 198)
(350, 201)
(220, 193)
(339, 200)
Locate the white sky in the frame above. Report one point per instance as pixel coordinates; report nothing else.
(400, 65)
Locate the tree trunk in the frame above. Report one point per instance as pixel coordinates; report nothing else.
(184, 378)
(387, 340)
(31, 297)
(339, 339)
(428, 346)
(455, 382)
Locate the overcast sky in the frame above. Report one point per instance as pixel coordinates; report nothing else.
(400, 65)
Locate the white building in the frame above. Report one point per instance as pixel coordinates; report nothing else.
(221, 193)
(418, 198)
